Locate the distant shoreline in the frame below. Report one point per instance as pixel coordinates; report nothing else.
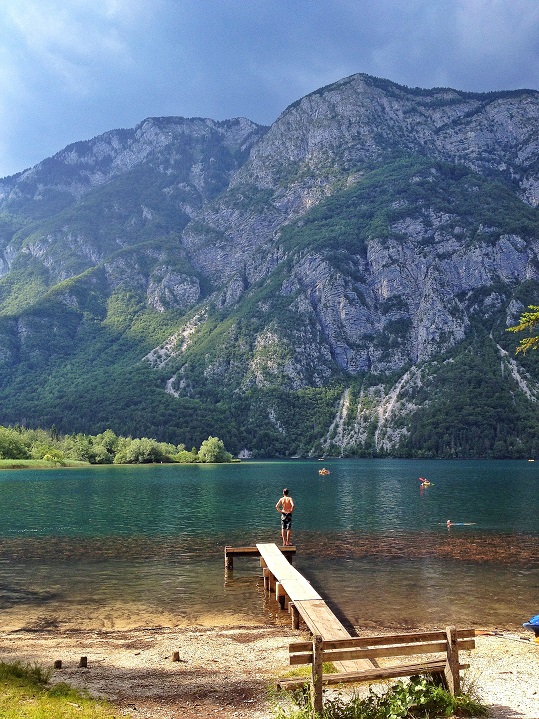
(76, 464)
(41, 464)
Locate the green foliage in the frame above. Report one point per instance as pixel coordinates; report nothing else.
(470, 407)
(185, 457)
(18, 443)
(12, 445)
(30, 675)
(25, 692)
(213, 450)
(421, 697)
(528, 321)
(412, 187)
(143, 451)
(20, 287)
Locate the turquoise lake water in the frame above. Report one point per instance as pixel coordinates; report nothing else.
(143, 546)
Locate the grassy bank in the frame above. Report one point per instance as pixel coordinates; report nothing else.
(25, 692)
(39, 464)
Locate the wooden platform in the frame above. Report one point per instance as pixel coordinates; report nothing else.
(231, 552)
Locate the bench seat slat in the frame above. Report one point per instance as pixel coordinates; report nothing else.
(365, 675)
(377, 652)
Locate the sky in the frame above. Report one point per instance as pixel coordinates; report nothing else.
(73, 69)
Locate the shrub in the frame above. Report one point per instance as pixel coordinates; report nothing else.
(421, 696)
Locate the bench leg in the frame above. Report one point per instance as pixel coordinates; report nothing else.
(317, 668)
(452, 668)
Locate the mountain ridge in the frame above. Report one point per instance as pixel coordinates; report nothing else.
(371, 230)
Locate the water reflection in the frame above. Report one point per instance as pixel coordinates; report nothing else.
(136, 546)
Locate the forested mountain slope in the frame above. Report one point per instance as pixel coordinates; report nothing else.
(340, 282)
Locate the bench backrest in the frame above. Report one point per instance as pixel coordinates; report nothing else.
(412, 643)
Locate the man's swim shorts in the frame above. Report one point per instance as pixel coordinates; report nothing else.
(286, 520)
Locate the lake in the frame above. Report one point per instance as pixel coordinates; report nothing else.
(106, 547)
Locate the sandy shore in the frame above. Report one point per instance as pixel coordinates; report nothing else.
(226, 671)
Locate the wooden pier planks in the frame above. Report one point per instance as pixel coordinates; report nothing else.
(291, 586)
(322, 622)
(312, 608)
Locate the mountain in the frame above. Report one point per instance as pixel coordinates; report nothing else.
(340, 282)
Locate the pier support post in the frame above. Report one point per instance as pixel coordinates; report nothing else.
(294, 613)
(280, 594)
(317, 665)
(266, 575)
(229, 561)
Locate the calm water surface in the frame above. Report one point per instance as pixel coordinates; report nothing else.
(134, 546)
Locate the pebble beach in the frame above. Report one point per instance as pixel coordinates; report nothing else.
(231, 672)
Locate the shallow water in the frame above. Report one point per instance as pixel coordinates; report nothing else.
(139, 546)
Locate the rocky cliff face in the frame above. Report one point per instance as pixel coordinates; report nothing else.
(366, 233)
(328, 138)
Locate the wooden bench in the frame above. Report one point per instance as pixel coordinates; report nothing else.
(445, 645)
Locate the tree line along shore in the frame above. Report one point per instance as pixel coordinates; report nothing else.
(21, 447)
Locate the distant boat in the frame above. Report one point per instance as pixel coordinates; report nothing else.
(531, 460)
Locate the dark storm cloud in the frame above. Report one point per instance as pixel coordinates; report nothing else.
(71, 69)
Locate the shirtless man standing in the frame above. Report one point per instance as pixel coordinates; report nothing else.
(285, 506)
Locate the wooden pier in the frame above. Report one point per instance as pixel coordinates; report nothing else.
(294, 593)
(354, 658)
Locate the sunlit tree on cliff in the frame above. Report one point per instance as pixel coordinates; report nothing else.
(528, 321)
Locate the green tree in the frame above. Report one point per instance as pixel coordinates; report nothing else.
(11, 444)
(79, 447)
(186, 457)
(528, 321)
(143, 451)
(54, 455)
(213, 450)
